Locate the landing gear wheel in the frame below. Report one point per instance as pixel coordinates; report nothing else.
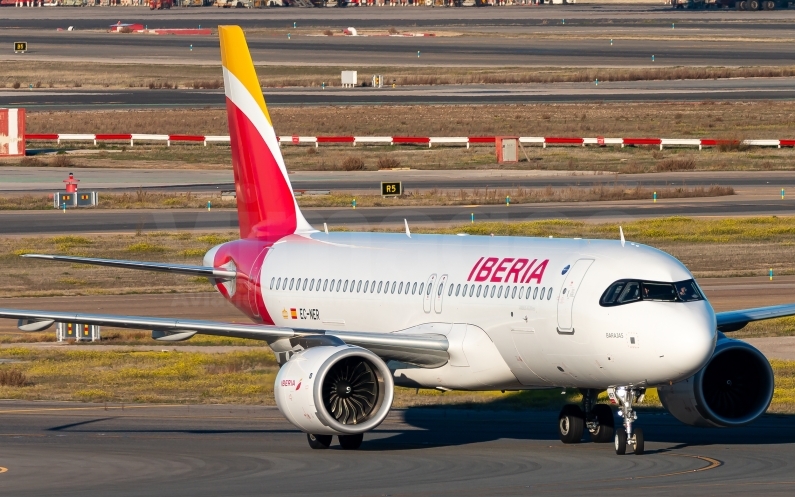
(769, 5)
(571, 424)
(621, 441)
(742, 5)
(351, 442)
(606, 430)
(638, 436)
(318, 441)
(753, 5)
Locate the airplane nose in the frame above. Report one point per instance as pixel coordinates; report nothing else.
(690, 337)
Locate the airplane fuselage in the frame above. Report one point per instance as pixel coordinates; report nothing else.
(518, 312)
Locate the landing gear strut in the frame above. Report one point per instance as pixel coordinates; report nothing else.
(624, 436)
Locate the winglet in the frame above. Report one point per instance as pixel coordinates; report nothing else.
(621, 232)
(408, 233)
(266, 205)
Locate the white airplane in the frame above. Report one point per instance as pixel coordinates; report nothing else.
(351, 315)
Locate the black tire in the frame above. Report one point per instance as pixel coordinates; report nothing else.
(769, 5)
(606, 430)
(742, 5)
(754, 4)
(620, 441)
(571, 424)
(351, 442)
(639, 442)
(318, 441)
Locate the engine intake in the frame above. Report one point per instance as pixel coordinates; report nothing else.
(334, 390)
(733, 389)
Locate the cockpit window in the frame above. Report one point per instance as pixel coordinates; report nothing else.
(626, 291)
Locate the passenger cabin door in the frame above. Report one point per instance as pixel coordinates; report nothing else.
(427, 295)
(568, 292)
(439, 294)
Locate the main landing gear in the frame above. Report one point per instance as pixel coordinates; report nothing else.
(347, 442)
(596, 418)
(625, 397)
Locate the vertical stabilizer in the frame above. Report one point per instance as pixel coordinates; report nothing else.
(266, 205)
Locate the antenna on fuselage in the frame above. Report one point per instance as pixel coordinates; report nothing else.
(408, 233)
(621, 232)
(325, 228)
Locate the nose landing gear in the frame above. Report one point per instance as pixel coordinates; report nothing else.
(626, 436)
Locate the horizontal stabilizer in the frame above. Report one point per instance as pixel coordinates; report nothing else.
(218, 273)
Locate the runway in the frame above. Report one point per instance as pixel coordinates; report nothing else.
(48, 179)
(743, 89)
(99, 221)
(80, 449)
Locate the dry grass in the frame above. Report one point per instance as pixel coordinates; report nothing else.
(147, 200)
(10, 377)
(159, 76)
(722, 120)
(516, 195)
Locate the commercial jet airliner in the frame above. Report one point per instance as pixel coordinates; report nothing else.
(351, 315)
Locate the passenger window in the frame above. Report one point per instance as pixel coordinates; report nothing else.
(458, 290)
(521, 290)
(273, 280)
(359, 287)
(366, 284)
(535, 293)
(507, 290)
(428, 290)
(339, 282)
(471, 290)
(298, 285)
(345, 286)
(485, 291)
(394, 283)
(513, 293)
(278, 282)
(440, 290)
(492, 291)
(450, 292)
(408, 284)
(549, 293)
(478, 295)
(325, 284)
(400, 288)
(331, 289)
(305, 281)
(414, 288)
(312, 284)
(292, 280)
(499, 293)
(543, 289)
(380, 284)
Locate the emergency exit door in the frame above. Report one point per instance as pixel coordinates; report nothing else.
(568, 292)
(427, 297)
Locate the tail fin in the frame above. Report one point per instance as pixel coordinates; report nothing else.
(266, 205)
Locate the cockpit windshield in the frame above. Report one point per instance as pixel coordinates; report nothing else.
(626, 291)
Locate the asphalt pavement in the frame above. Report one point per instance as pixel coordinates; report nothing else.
(98, 221)
(82, 449)
(742, 89)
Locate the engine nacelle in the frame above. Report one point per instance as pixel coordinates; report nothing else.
(334, 390)
(733, 389)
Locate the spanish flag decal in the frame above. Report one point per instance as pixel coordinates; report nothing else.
(293, 313)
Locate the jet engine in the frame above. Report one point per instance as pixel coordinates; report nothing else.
(335, 390)
(733, 389)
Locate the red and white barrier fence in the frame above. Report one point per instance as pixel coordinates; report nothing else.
(544, 141)
(12, 132)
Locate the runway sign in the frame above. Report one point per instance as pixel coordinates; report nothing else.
(20, 46)
(391, 188)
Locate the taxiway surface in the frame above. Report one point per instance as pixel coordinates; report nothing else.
(98, 221)
(741, 89)
(68, 449)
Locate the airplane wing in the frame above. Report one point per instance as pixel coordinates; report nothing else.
(425, 350)
(734, 320)
(218, 273)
